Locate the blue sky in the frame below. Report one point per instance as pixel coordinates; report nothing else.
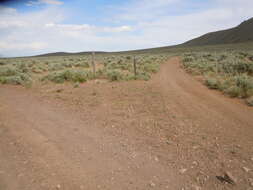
(30, 27)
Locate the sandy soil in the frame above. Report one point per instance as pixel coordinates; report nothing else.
(168, 133)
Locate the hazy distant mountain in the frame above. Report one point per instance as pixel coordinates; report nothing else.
(67, 54)
(240, 34)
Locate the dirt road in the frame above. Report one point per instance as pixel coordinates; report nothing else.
(168, 133)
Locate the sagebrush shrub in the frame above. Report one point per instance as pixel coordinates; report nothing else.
(245, 83)
(212, 83)
(114, 75)
(68, 75)
(8, 71)
(233, 91)
(249, 101)
(230, 72)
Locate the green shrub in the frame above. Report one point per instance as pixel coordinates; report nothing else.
(143, 76)
(76, 85)
(249, 101)
(245, 83)
(37, 70)
(68, 75)
(22, 67)
(188, 59)
(250, 68)
(225, 83)
(11, 80)
(13, 75)
(235, 70)
(55, 67)
(233, 91)
(82, 64)
(101, 73)
(238, 67)
(151, 68)
(243, 54)
(129, 77)
(114, 75)
(68, 65)
(212, 83)
(20, 79)
(222, 57)
(8, 71)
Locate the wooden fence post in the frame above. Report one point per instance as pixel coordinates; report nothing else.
(216, 63)
(93, 64)
(135, 71)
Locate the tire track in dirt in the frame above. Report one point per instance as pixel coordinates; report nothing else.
(46, 147)
(192, 99)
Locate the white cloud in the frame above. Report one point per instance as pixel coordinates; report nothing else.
(87, 27)
(144, 9)
(43, 31)
(68, 26)
(7, 10)
(169, 22)
(140, 24)
(14, 23)
(49, 2)
(22, 46)
(118, 29)
(7, 20)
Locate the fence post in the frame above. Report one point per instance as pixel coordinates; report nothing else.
(135, 71)
(216, 64)
(93, 64)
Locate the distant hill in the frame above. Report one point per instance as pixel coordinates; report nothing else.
(68, 54)
(240, 34)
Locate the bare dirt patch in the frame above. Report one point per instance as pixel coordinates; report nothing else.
(168, 133)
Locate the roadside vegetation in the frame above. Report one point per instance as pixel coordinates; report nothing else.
(228, 71)
(78, 69)
(225, 68)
